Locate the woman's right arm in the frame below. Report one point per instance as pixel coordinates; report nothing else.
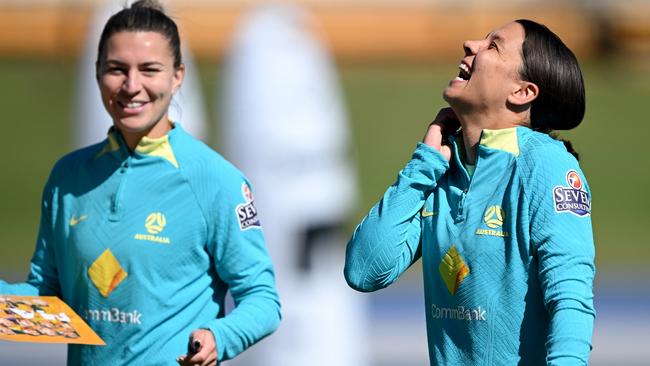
(387, 241)
(43, 277)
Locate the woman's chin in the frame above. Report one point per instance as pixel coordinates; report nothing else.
(450, 95)
(131, 126)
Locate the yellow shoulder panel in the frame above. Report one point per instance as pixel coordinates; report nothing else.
(111, 145)
(504, 139)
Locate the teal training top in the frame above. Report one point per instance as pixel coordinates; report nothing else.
(507, 256)
(144, 245)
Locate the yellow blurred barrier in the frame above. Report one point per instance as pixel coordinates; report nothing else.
(358, 32)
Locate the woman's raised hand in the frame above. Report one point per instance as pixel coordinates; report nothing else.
(442, 126)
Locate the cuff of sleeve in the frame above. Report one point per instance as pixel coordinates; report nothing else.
(20, 289)
(426, 163)
(218, 338)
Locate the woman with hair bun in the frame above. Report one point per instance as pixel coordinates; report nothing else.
(143, 233)
(498, 210)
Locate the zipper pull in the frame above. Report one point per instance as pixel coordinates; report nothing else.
(461, 203)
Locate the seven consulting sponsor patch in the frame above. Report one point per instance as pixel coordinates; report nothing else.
(574, 198)
(246, 212)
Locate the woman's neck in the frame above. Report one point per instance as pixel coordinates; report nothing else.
(474, 124)
(471, 137)
(160, 129)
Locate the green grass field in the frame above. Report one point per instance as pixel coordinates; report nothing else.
(389, 108)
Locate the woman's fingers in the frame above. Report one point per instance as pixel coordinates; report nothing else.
(202, 349)
(442, 126)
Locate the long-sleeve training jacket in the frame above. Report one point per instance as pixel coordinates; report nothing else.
(507, 254)
(144, 246)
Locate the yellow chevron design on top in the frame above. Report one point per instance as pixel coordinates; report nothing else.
(453, 269)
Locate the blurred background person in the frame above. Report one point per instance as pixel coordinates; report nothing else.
(91, 120)
(285, 125)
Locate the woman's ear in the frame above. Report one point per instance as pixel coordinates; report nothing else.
(526, 93)
(179, 75)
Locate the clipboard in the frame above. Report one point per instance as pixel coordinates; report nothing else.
(43, 319)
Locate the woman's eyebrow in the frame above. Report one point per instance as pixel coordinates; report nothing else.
(143, 64)
(152, 63)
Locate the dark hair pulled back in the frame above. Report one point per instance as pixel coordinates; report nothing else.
(550, 64)
(142, 16)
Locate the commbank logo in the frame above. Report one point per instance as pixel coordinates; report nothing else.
(458, 313)
(106, 273)
(453, 269)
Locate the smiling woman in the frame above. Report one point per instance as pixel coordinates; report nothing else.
(147, 221)
(137, 80)
(497, 209)
(139, 68)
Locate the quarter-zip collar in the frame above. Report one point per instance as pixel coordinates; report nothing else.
(159, 147)
(505, 140)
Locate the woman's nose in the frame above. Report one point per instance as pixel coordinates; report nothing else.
(471, 47)
(132, 83)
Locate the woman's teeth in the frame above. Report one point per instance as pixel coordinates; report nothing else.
(465, 73)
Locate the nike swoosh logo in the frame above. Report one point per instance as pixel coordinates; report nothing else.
(75, 220)
(426, 213)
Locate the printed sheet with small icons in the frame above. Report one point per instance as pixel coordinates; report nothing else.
(42, 319)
